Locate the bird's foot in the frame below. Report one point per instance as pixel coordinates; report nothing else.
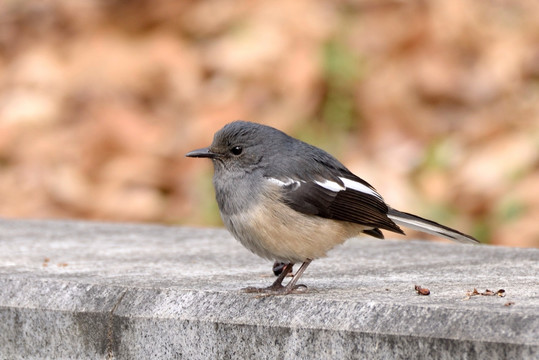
(276, 290)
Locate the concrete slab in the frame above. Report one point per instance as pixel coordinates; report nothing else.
(94, 290)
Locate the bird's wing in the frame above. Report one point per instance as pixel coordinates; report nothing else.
(346, 198)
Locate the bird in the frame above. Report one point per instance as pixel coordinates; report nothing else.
(291, 202)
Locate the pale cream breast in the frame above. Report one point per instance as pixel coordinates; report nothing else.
(277, 232)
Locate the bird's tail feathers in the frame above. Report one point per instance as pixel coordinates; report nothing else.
(428, 226)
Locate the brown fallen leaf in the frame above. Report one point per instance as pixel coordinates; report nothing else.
(469, 294)
(421, 290)
(509, 303)
(487, 292)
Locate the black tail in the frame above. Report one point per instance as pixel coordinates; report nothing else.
(428, 226)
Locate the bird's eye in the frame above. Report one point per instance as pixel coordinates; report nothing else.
(236, 150)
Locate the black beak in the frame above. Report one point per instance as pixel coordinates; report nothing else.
(202, 153)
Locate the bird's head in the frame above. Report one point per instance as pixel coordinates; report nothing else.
(242, 146)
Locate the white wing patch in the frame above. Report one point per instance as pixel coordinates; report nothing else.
(348, 184)
(281, 183)
(330, 185)
(351, 184)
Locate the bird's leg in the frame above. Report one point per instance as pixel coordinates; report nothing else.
(277, 284)
(277, 288)
(291, 286)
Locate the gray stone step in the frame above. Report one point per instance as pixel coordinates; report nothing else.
(94, 290)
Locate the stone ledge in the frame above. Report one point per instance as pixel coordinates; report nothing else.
(95, 290)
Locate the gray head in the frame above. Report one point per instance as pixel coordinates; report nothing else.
(244, 146)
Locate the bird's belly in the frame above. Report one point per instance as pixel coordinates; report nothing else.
(280, 233)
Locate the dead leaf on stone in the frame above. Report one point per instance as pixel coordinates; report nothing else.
(469, 294)
(46, 262)
(509, 303)
(422, 291)
(487, 292)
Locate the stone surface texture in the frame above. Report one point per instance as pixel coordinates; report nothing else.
(84, 290)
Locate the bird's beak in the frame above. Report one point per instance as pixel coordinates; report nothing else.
(202, 153)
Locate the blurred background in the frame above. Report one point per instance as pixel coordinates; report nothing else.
(435, 103)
